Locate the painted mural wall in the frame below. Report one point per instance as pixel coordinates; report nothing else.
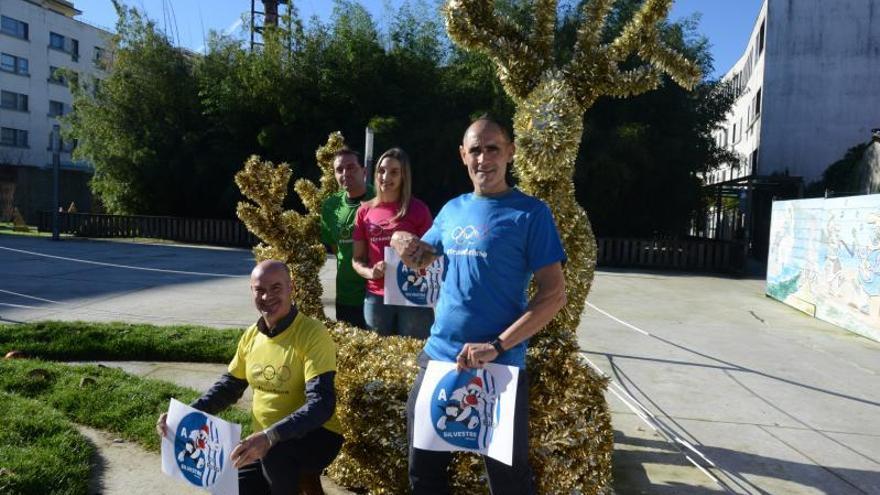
(825, 260)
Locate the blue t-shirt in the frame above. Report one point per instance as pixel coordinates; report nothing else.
(492, 246)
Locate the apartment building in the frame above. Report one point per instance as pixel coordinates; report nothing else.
(805, 92)
(42, 45)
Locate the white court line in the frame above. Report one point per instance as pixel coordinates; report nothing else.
(646, 415)
(115, 265)
(21, 306)
(618, 320)
(35, 298)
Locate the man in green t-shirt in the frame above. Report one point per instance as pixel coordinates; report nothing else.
(337, 222)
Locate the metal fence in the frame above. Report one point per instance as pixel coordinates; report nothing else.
(189, 230)
(693, 254)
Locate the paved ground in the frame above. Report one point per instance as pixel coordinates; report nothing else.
(715, 388)
(779, 402)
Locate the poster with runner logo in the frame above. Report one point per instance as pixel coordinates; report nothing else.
(406, 287)
(469, 410)
(197, 449)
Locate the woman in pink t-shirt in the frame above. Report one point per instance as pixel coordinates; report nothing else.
(391, 210)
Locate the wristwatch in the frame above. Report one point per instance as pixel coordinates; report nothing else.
(272, 436)
(497, 345)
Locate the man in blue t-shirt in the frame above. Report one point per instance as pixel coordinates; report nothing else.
(494, 240)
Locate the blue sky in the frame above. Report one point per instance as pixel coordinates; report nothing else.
(727, 23)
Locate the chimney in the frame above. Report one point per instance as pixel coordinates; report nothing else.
(270, 7)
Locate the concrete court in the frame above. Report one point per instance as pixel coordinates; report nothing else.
(771, 401)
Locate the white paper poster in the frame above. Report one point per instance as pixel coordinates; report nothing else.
(471, 410)
(406, 287)
(197, 449)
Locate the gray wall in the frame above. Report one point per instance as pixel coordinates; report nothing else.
(821, 92)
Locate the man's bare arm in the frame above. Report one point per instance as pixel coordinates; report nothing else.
(547, 301)
(414, 253)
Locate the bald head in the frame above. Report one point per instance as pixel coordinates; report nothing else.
(483, 124)
(271, 289)
(270, 267)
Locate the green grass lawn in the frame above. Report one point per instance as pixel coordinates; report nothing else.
(39, 399)
(40, 451)
(79, 341)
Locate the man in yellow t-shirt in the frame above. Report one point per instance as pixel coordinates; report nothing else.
(290, 361)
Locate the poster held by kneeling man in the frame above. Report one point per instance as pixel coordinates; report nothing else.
(197, 449)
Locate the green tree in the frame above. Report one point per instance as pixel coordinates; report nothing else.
(645, 152)
(168, 130)
(842, 176)
(141, 127)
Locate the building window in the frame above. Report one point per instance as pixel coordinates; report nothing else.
(757, 103)
(13, 64)
(99, 58)
(56, 108)
(13, 27)
(761, 38)
(67, 45)
(13, 137)
(56, 41)
(60, 75)
(55, 75)
(13, 101)
(754, 161)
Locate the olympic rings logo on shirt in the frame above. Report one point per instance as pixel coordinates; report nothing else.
(466, 235)
(270, 373)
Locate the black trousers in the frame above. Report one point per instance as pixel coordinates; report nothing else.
(427, 468)
(278, 472)
(353, 314)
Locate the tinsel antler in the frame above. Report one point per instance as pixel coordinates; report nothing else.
(311, 195)
(571, 434)
(285, 234)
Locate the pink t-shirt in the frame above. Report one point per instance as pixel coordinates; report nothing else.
(372, 224)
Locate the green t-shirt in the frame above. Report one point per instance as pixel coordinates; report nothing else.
(337, 222)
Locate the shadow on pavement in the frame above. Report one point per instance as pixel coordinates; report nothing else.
(631, 476)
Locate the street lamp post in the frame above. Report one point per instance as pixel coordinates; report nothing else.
(56, 169)
(368, 151)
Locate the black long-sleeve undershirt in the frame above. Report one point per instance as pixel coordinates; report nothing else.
(317, 410)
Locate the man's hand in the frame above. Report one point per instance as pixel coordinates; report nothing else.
(475, 356)
(162, 425)
(379, 270)
(414, 253)
(250, 450)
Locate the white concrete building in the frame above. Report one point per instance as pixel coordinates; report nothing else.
(807, 91)
(37, 39)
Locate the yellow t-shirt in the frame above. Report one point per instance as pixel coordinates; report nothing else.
(278, 367)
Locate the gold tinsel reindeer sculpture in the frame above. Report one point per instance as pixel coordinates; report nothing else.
(571, 434)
